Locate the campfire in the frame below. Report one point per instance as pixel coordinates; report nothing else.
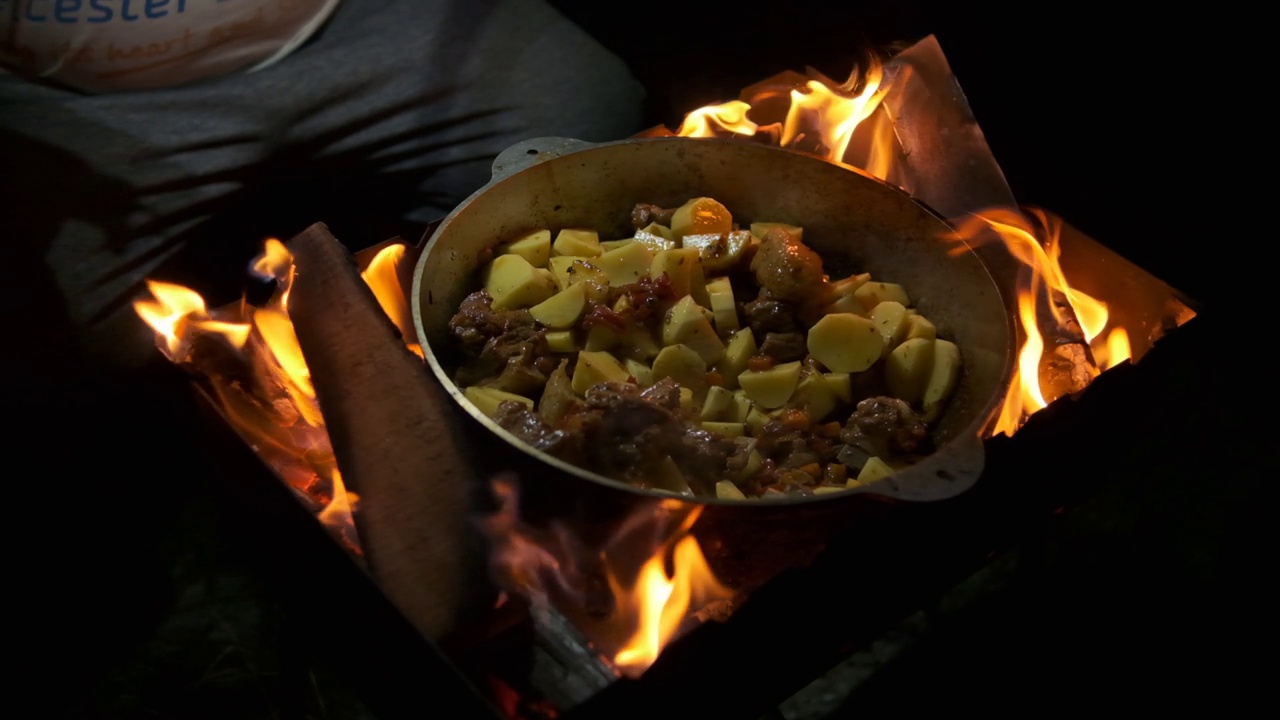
(632, 592)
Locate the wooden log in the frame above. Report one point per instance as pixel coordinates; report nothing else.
(395, 441)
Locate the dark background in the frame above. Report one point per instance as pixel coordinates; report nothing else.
(1118, 122)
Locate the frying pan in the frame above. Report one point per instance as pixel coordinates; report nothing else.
(854, 221)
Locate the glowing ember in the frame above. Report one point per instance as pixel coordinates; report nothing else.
(259, 380)
(657, 577)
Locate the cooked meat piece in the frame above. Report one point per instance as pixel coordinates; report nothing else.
(788, 268)
(525, 424)
(633, 433)
(646, 297)
(784, 347)
(885, 427)
(702, 456)
(766, 315)
(476, 322)
(644, 213)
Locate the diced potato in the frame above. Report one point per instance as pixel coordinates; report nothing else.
(754, 462)
(571, 270)
(718, 405)
(719, 252)
(891, 317)
(726, 490)
(908, 368)
(741, 406)
(684, 365)
(840, 385)
(561, 341)
(920, 327)
(760, 228)
(727, 429)
(684, 268)
(700, 216)
(626, 264)
(600, 337)
(845, 342)
(724, 311)
(638, 370)
(596, 367)
(741, 346)
(874, 293)
(514, 283)
(828, 489)
(756, 419)
(687, 323)
(579, 242)
(814, 396)
(637, 342)
(562, 310)
(688, 403)
(942, 378)
(845, 300)
(874, 470)
(534, 246)
(773, 387)
(607, 245)
(487, 399)
(656, 237)
(668, 477)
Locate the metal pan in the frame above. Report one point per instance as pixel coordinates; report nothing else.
(856, 223)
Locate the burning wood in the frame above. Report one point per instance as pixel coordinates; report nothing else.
(394, 440)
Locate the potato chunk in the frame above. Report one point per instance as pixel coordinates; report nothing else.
(596, 367)
(720, 252)
(683, 266)
(534, 246)
(724, 310)
(908, 368)
(742, 345)
(845, 342)
(891, 317)
(874, 293)
(513, 283)
(562, 310)
(626, 264)
(943, 378)
(581, 242)
(874, 470)
(771, 388)
(488, 399)
(686, 323)
(684, 365)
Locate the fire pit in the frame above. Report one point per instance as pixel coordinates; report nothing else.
(903, 529)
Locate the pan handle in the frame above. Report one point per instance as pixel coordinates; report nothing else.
(527, 153)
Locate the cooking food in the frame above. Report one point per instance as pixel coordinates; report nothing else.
(702, 357)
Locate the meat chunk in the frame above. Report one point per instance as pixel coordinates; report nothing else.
(788, 268)
(644, 213)
(885, 427)
(765, 315)
(506, 348)
(784, 347)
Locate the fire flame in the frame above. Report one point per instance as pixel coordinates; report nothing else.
(1046, 302)
(251, 365)
(820, 117)
(648, 605)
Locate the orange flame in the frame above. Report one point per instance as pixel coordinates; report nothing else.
(820, 117)
(659, 601)
(382, 277)
(265, 391)
(649, 606)
(1033, 239)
